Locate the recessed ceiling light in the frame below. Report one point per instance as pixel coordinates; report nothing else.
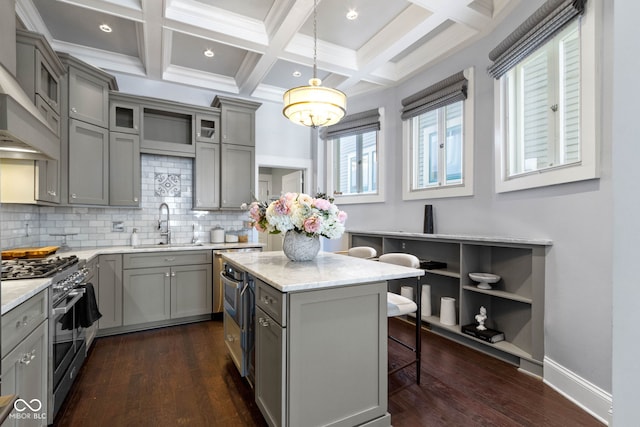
(105, 28)
(352, 14)
(297, 73)
(208, 53)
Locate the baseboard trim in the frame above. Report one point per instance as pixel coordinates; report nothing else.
(586, 395)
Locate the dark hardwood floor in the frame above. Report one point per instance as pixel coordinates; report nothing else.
(182, 376)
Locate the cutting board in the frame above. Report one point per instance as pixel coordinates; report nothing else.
(40, 252)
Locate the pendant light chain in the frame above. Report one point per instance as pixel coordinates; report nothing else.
(315, 38)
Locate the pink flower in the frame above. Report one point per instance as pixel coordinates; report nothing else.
(322, 204)
(312, 224)
(342, 217)
(258, 227)
(281, 207)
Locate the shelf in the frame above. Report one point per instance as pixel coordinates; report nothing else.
(505, 346)
(499, 294)
(441, 272)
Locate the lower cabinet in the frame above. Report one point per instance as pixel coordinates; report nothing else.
(270, 368)
(157, 289)
(109, 292)
(24, 372)
(332, 328)
(146, 295)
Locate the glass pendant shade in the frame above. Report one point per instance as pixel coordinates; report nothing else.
(314, 105)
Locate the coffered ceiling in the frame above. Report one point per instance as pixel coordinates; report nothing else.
(259, 44)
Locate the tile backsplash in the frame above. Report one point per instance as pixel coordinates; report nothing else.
(29, 225)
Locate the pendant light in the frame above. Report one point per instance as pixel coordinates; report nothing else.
(314, 105)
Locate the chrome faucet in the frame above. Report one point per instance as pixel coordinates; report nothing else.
(167, 231)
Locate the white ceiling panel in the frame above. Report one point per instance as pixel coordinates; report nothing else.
(258, 44)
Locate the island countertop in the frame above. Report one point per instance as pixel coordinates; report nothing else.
(325, 271)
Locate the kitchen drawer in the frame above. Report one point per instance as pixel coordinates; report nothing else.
(165, 259)
(272, 301)
(22, 320)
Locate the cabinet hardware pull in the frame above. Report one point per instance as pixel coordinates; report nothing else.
(173, 274)
(263, 322)
(73, 196)
(266, 300)
(74, 110)
(25, 320)
(166, 274)
(170, 259)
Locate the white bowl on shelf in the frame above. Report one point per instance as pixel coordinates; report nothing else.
(484, 279)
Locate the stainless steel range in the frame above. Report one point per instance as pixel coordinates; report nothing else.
(67, 349)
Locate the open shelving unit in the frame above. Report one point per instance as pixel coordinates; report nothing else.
(515, 304)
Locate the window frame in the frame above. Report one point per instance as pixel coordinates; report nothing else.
(347, 199)
(590, 127)
(442, 191)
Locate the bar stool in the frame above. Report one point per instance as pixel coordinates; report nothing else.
(398, 305)
(362, 252)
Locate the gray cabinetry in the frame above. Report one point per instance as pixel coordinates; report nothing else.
(110, 291)
(168, 285)
(124, 169)
(88, 164)
(88, 96)
(207, 127)
(47, 181)
(85, 136)
(336, 324)
(237, 175)
(206, 176)
(146, 296)
(270, 347)
(238, 120)
(24, 357)
(123, 116)
(514, 306)
(168, 129)
(39, 72)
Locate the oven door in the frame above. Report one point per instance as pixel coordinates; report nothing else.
(66, 338)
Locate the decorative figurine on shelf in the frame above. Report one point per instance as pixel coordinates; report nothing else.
(480, 318)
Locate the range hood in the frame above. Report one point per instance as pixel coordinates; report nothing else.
(24, 132)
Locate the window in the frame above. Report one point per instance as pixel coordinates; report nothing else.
(438, 152)
(353, 152)
(545, 101)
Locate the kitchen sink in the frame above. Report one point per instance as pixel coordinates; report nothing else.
(164, 245)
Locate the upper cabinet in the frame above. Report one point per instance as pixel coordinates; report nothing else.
(88, 91)
(238, 120)
(124, 116)
(207, 128)
(38, 70)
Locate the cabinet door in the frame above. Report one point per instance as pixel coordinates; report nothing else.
(237, 170)
(109, 291)
(270, 351)
(47, 83)
(52, 117)
(88, 98)
(24, 372)
(190, 290)
(207, 128)
(238, 126)
(124, 117)
(206, 176)
(146, 295)
(47, 181)
(124, 169)
(88, 164)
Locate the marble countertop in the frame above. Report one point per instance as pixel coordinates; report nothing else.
(456, 237)
(325, 271)
(15, 292)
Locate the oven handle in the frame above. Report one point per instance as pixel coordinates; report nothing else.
(76, 294)
(235, 283)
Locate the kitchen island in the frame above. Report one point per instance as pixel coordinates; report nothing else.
(321, 337)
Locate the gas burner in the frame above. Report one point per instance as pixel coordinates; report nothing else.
(35, 268)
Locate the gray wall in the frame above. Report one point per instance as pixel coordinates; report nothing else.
(626, 229)
(577, 217)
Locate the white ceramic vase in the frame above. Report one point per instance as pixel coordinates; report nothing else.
(448, 311)
(300, 247)
(426, 301)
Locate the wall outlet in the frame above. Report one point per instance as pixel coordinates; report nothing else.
(117, 226)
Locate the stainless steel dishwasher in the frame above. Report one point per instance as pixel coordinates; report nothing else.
(218, 293)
